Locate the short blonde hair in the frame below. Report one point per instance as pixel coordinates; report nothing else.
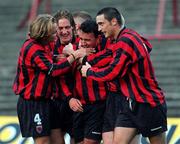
(42, 26)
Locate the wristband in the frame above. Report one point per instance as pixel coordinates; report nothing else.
(73, 56)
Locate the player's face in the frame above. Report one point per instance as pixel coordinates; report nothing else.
(104, 26)
(65, 31)
(87, 40)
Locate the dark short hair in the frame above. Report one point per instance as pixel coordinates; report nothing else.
(110, 13)
(90, 26)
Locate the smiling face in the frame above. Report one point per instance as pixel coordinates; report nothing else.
(105, 26)
(87, 40)
(65, 31)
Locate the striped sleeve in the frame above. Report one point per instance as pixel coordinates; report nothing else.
(41, 60)
(99, 59)
(125, 53)
(117, 67)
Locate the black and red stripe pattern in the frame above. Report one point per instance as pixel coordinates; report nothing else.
(87, 89)
(35, 70)
(64, 84)
(102, 55)
(131, 71)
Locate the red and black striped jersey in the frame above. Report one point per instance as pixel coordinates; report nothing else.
(35, 70)
(88, 90)
(64, 84)
(102, 56)
(130, 71)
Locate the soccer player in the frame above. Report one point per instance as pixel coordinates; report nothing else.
(132, 84)
(89, 103)
(64, 84)
(34, 78)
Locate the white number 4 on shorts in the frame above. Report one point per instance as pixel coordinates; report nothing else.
(37, 119)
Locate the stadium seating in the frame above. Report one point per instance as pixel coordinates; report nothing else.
(140, 15)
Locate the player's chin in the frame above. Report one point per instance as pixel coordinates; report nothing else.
(65, 41)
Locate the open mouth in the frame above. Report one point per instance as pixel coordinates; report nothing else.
(65, 36)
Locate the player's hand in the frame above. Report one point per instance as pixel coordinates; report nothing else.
(84, 69)
(75, 105)
(80, 53)
(68, 49)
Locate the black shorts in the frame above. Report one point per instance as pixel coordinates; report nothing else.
(149, 121)
(61, 116)
(34, 117)
(88, 124)
(113, 106)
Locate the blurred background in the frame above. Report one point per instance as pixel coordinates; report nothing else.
(157, 20)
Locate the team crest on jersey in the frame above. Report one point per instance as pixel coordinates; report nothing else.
(39, 129)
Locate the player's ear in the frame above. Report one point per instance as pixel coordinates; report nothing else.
(114, 21)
